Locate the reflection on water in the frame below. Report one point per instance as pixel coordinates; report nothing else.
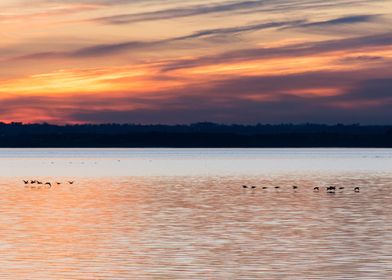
(188, 162)
(198, 228)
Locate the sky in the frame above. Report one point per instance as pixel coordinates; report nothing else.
(175, 62)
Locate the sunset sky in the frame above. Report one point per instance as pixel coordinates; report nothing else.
(170, 61)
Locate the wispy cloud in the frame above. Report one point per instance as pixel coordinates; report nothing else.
(181, 12)
(109, 49)
(345, 20)
(115, 48)
(251, 6)
(302, 49)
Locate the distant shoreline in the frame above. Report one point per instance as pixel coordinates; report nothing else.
(199, 135)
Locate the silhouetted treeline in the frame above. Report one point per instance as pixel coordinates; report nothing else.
(194, 135)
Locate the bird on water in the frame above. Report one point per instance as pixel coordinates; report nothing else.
(356, 189)
(316, 188)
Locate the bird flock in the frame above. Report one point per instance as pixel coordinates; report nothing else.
(329, 189)
(37, 184)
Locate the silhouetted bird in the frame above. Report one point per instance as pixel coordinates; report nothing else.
(356, 189)
(316, 188)
(33, 181)
(49, 184)
(70, 182)
(39, 183)
(295, 187)
(253, 187)
(341, 188)
(244, 186)
(26, 182)
(277, 187)
(58, 183)
(331, 188)
(264, 188)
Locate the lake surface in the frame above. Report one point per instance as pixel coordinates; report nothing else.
(183, 214)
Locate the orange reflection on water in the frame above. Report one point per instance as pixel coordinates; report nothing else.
(198, 228)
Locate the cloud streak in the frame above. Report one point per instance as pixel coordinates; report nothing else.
(181, 12)
(302, 49)
(108, 49)
(251, 6)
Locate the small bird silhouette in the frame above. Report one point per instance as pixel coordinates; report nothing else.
(356, 189)
(58, 183)
(253, 187)
(277, 187)
(316, 188)
(331, 189)
(341, 188)
(39, 183)
(71, 182)
(295, 187)
(26, 182)
(49, 184)
(245, 187)
(264, 188)
(33, 181)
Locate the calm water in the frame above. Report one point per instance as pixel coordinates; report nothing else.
(183, 214)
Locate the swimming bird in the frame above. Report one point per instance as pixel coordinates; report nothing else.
(277, 187)
(295, 187)
(264, 188)
(39, 183)
(49, 184)
(341, 188)
(71, 182)
(316, 188)
(26, 182)
(331, 188)
(58, 183)
(356, 189)
(253, 187)
(245, 187)
(33, 181)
